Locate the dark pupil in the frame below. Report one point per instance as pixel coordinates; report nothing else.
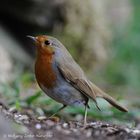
(47, 42)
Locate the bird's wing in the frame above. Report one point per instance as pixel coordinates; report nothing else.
(72, 72)
(75, 76)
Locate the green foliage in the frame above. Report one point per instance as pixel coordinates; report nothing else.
(124, 66)
(32, 98)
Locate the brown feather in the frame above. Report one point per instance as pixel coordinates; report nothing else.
(102, 94)
(75, 75)
(43, 71)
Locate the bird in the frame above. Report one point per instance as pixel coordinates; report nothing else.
(62, 79)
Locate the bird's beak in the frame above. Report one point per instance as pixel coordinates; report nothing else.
(32, 38)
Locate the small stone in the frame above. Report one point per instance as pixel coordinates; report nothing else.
(127, 130)
(54, 119)
(97, 133)
(1, 107)
(49, 134)
(23, 117)
(16, 117)
(66, 132)
(105, 125)
(13, 110)
(38, 126)
(42, 118)
(58, 127)
(93, 123)
(74, 130)
(50, 123)
(136, 132)
(138, 127)
(79, 117)
(65, 125)
(88, 133)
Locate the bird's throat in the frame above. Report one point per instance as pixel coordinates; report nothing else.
(44, 72)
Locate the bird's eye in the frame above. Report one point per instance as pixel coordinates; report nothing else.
(47, 42)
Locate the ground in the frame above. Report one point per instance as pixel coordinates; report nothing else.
(30, 127)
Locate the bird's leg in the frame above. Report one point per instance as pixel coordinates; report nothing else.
(85, 116)
(58, 111)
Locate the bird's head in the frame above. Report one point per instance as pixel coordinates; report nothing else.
(45, 44)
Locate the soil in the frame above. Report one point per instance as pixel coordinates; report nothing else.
(53, 129)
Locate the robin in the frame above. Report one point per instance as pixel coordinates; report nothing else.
(62, 79)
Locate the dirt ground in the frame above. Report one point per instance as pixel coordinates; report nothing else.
(28, 127)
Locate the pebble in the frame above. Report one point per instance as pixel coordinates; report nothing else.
(88, 133)
(54, 119)
(65, 125)
(49, 134)
(136, 132)
(50, 123)
(23, 117)
(105, 125)
(12, 110)
(74, 130)
(66, 132)
(17, 116)
(93, 123)
(138, 126)
(127, 130)
(97, 133)
(1, 106)
(42, 118)
(58, 127)
(38, 126)
(79, 117)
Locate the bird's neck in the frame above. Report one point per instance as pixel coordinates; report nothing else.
(44, 72)
(44, 58)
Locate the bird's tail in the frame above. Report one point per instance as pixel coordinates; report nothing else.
(101, 94)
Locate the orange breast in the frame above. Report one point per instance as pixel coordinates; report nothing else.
(44, 72)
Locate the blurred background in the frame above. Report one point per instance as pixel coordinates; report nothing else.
(102, 36)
